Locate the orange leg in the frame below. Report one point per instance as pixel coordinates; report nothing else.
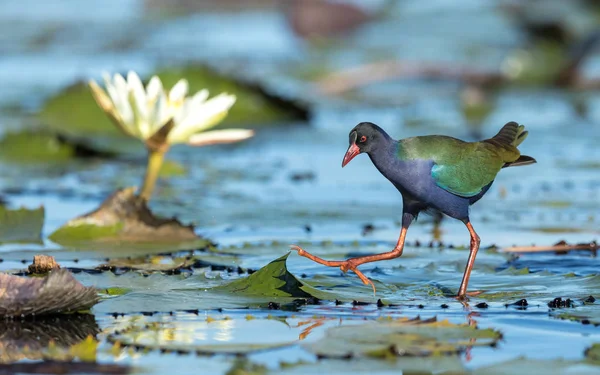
(352, 263)
(475, 241)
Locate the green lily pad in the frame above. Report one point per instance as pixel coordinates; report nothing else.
(254, 105)
(22, 225)
(273, 280)
(32, 146)
(535, 366)
(404, 337)
(405, 365)
(588, 314)
(153, 263)
(593, 353)
(203, 337)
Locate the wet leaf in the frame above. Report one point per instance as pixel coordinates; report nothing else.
(32, 147)
(593, 353)
(400, 338)
(22, 225)
(587, 314)
(273, 280)
(254, 105)
(124, 218)
(204, 337)
(450, 365)
(57, 293)
(242, 366)
(532, 366)
(154, 263)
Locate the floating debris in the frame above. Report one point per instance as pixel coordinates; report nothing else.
(57, 293)
(42, 264)
(559, 247)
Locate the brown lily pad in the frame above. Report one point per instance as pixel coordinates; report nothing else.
(57, 293)
(123, 217)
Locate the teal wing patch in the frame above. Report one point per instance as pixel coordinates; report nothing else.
(458, 181)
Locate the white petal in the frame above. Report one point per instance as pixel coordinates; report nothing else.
(154, 88)
(201, 117)
(122, 104)
(110, 88)
(220, 136)
(160, 115)
(179, 91)
(137, 100)
(200, 97)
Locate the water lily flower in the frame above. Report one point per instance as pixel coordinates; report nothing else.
(161, 119)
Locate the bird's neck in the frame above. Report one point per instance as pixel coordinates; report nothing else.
(385, 157)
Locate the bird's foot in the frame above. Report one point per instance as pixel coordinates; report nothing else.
(465, 296)
(345, 265)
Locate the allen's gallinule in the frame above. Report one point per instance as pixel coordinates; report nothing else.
(437, 173)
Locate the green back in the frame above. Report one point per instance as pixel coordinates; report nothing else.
(462, 168)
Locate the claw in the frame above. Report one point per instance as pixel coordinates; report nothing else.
(345, 266)
(297, 248)
(469, 294)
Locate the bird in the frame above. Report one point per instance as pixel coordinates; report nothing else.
(433, 173)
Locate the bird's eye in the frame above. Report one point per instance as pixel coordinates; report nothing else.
(363, 139)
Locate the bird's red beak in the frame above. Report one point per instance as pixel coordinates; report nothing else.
(353, 150)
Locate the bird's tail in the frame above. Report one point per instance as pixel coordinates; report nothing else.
(512, 135)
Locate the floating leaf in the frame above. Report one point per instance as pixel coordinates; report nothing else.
(535, 366)
(588, 314)
(405, 365)
(593, 353)
(21, 225)
(125, 219)
(30, 146)
(59, 292)
(273, 280)
(202, 337)
(400, 338)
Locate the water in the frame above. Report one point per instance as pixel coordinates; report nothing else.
(246, 193)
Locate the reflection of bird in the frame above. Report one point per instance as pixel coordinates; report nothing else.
(433, 173)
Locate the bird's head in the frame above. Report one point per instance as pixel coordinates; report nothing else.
(365, 137)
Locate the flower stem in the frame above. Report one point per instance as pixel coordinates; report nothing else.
(155, 161)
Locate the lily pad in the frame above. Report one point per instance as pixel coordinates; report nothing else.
(533, 366)
(33, 146)
(181, 337)
(405, 365)
(124, 218)
(154, 263)
(22, 225)
(40, 146)
(273, 280)
(57, 293)
(254, 104)
(403, 337)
